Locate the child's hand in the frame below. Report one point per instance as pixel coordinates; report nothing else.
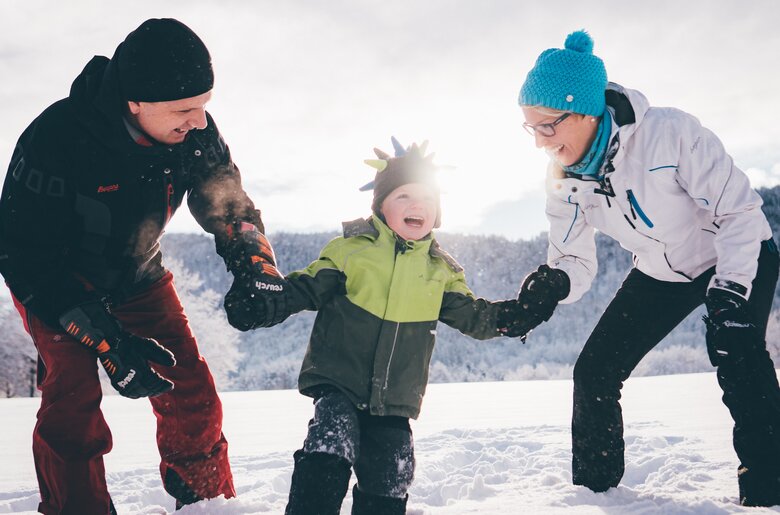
(515, 319)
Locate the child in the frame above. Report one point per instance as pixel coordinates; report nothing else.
(379, 291)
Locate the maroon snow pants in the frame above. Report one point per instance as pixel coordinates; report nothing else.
(71, 435)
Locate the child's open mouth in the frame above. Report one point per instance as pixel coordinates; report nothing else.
(414, 221)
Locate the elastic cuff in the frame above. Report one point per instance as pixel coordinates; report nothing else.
(730, 286)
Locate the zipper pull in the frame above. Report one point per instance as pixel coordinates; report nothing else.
(168, 199)
(634, 204)
(402, 245)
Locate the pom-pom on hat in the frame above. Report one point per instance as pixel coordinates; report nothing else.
(163, 60)
(567, 79)
(409, 165)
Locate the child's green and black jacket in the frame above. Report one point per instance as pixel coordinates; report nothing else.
(378, 300)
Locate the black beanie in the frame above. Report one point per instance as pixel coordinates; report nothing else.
(412, 166)
(163, 60)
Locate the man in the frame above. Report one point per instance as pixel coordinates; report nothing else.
(91, 185)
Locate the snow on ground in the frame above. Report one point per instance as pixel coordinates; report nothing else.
(482, 448)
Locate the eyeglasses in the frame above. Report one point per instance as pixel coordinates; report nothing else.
(545, 129)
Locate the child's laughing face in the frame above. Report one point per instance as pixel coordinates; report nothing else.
(410, 210)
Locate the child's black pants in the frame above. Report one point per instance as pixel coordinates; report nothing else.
(340, 437)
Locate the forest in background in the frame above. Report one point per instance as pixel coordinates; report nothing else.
(495, 266)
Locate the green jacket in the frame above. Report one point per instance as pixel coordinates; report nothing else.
(378, 300)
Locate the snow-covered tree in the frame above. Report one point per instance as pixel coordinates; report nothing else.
(18, 356)
(495, 267)
(217, 340)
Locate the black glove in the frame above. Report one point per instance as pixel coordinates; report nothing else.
(257, 297)
(543, 289)
(515, 319)
(730, 327)
(250, 308)
(123, 355)
(539, 295)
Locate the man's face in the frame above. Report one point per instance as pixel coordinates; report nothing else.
(169, 122)
(410, 210)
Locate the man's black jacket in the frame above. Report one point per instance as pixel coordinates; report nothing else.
(84, 206)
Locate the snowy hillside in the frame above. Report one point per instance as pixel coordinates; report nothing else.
(271, 358)
(482, 448)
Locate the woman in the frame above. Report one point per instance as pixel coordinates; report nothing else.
(663, 186)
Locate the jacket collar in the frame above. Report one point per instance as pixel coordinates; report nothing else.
(375, 229)
(628, 108)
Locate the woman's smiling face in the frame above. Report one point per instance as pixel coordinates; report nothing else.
(571, 139)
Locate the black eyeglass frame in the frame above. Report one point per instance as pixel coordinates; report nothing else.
(545, 129)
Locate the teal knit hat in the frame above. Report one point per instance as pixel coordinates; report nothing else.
(568, 79)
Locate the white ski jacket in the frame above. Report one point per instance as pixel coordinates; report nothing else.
(671, 195)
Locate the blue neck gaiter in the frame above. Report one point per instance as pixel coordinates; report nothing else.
(594, 157)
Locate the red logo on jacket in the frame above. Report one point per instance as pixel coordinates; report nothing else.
(106, 189)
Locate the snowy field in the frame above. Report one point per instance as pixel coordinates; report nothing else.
(482, 448)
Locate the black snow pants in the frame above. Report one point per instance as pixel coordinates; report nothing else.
(341, 437)
(642, 313)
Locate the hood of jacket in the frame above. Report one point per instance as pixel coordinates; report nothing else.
(628, 108)
(97, 104)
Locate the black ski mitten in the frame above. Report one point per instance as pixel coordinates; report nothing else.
(730, 327)
(514, 319)
(540, 293)
(123, 355)
(542, 289)
(249, 307)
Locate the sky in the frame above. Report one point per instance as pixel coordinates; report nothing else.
(305, 90)
(510, 454)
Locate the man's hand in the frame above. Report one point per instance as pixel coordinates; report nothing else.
(123, 355)
(257, 297)
(730, 327)
(250, 256)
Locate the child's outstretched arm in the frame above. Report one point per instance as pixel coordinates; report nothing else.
(483, 319)
(315, 285)
(473, 316)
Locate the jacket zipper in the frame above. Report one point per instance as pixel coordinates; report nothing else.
(634, 204)
(400, 247)
(168, 182)
(389, 360)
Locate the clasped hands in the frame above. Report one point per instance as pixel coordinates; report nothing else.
(257, 297)
(539, 295)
